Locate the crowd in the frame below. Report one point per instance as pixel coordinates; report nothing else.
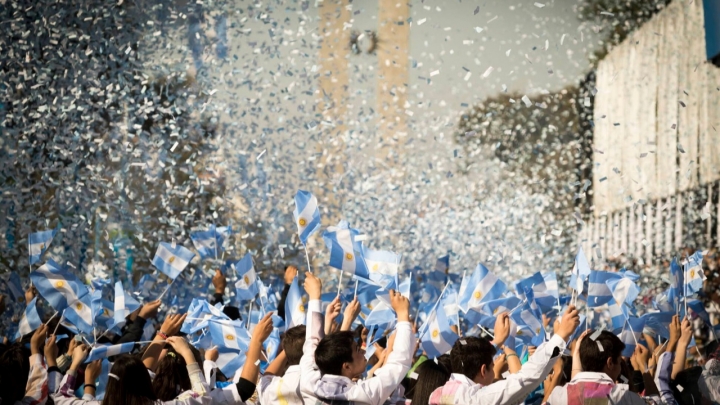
(323, 361)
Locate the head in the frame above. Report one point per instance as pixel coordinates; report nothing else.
(474, 359)
(171, 376)
(14, 370)
(292, 344)
(430, 376)
(608, 361)
(562, 371)
(340, 354)
(132, 386)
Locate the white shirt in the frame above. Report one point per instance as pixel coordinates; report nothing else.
(281, 390)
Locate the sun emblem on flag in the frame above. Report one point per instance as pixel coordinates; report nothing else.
(478, 295)
(59, 284)
(172, 259)
(496, 311)
(519, 333)
(246, 280)
(375, 267)
(301, 308)
(435, 333)
(537, 331)
(692, 273)
(348, 256)
(229, 337)
(302, 222)
(106, 312)
(78, 306)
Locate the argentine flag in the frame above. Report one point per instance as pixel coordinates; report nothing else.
(438, 338)
(382, 266)
(38, 242)
(229, 335)
(580, 272)
(694, 273)
(80, 314)
(294, 306)
(57, 285)
(677, 283)
(208, 243)
(29, 321)
(482, 286)
(345, 252)
(246, 286)
(624, 290)
(618, 314)
(103, 352)
(630, 334)
(124, 305)
(598, 289)
(171, 260)
(307, 215)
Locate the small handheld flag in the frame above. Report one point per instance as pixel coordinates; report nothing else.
(294, 306)
(30, 320)
(307, 215)
(103, 352)
(38, 242)
(171, 260)
(246, 286)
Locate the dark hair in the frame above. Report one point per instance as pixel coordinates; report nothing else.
(292, 344)
(333, 351)
(133, 385)
(446, 362)
(468, 355)
(592, 359)
(14, 370)
(171, 376)
(430, 376)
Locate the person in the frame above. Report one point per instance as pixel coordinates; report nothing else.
(472, 364)
(429, 376)
(244, 388)
(24, 382)
(129, 382)
(600, 357)
(331, 364)
(276, 387)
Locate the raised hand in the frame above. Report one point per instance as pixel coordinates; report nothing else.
(642, 356)
(37, 341)
(149, 310)
(172, 324)
(502, 329)
(674, 334)
(79, 355)
(400, 305)
(182, 347)
(290, 274)
(331, 313)
(686, 332)
(219, 282)
(51, 351)
(351, 312)
(313, 286)
(263, 328)
(569, 323)
(92, 371)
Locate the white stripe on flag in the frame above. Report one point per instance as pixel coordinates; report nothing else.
(178, 263)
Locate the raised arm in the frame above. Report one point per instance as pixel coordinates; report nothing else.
(399, 360)
(314, 332)
(682, 346)
(170, 327)
(36, 389)
(518, 386)
(351, 312)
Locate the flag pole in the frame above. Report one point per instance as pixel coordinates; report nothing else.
(685, 282)
(51, 318)
(627, 321)
(434, 307)
(340, 282)
(307, 257)
(59, 321)
(250, 312)
(215, 240)
(356, 288)
(166, 289)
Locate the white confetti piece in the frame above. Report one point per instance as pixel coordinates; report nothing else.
(487, 72)
(434, 73)
(539, 5)
(526, 100)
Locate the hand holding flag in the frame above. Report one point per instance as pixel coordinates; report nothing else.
(171, 259)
